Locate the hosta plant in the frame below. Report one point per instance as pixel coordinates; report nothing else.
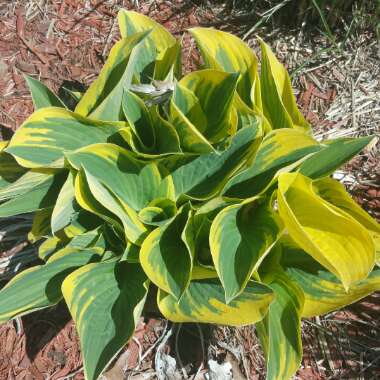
(206, 190)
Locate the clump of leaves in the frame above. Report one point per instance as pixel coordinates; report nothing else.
(208, 187)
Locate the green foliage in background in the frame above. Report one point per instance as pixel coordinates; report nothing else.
(208, 187)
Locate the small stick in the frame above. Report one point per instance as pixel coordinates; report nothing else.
(39, 7)
(18, 326)
(140, 350)
(7, 115)
(324, 346)
(41, 57)
(353, 110)
(109, 38)
(184, 373)
(71, 375)
(151, 348)
(161, 346)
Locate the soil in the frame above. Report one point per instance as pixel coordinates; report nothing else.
(64, 43)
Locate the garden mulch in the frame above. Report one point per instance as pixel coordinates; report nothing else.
(65, 43)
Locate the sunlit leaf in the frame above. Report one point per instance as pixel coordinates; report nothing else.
(240, 237)
(139, 119)
(279, 103)
(105, 316)
(200, 177)
(160, 47)
(42, 96)
(224, 51)
(204, 302)
(65, 207)
(31, 192)
(280, 330)
(103, 100)
(210, 94)
(323, 290)
(333, 155)
(165, 258)
(334, 239)
(40, 286)
(279, 148)
(48, 133)
(133, 181)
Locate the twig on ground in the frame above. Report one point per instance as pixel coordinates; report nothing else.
(369, 365)
(198, 371)
(71, 375)
(140, 351)
(18, 326)
(109, 38)
(40, 56)
(324, 346)
(353, 110)
(152, 347)
(165, 363)
(178, 356)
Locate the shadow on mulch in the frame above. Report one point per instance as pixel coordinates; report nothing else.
(41, 327)
(344, 344)
(42, 345)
